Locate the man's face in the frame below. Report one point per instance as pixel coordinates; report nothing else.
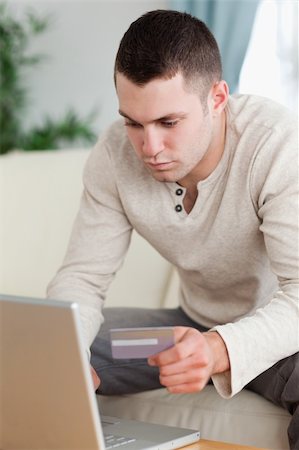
(168, 126)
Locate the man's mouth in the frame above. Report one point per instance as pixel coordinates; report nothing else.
(161, 165)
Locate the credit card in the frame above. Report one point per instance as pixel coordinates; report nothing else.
(140, 342)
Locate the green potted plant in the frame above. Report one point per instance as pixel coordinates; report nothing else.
(15, 37)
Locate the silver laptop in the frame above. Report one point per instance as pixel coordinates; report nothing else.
(47, 398)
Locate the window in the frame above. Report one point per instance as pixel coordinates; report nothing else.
(270, 67)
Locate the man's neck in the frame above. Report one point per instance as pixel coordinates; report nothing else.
(207, 165)
(211, 159)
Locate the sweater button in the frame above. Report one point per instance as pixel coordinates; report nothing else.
(178, 208)
(179, 191)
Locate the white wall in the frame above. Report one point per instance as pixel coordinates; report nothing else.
(81, 44)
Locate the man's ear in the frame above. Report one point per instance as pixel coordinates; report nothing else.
(219, 97)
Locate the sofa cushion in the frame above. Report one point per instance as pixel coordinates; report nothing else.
(244, 419)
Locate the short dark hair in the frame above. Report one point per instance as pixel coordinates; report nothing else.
(162, 43)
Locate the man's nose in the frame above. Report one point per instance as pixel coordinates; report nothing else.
(152, 143)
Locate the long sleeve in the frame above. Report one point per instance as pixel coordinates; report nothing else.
(257, 342)
(98, 243)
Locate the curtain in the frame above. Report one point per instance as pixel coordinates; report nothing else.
(231, 23)
(287, 51)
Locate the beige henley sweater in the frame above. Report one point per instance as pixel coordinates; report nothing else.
(236, 252)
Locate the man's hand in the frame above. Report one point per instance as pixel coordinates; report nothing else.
(96, 380)
(189, 364)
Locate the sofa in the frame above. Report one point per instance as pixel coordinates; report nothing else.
(39, 197)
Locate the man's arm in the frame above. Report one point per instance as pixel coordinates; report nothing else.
(244, 348)
(271, 333)
(99, 241)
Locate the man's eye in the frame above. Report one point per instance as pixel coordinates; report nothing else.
(169, 123)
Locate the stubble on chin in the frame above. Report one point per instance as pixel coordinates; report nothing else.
(163, 176)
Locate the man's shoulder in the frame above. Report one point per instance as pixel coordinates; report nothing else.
(113, 143)
(114, 134)
(264, 134)
(114, 154)
(257, 119)
(258, 110)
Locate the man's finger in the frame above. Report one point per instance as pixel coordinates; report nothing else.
(191, 376)
(186, 343)
(95, 378)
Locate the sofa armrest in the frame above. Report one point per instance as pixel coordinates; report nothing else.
(40, 194)
(39, 198)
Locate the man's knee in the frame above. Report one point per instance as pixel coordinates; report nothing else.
(290, 372)
(279, 384)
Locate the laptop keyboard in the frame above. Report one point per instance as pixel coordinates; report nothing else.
(112, 441)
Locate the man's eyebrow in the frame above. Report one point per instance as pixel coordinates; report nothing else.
(174, 115)
(125, 115)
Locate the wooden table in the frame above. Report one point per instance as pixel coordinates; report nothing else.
(203, 444)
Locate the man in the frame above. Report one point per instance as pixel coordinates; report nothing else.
(210, 180)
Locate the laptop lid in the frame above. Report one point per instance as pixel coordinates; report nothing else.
(46, 393)
(40, 342)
